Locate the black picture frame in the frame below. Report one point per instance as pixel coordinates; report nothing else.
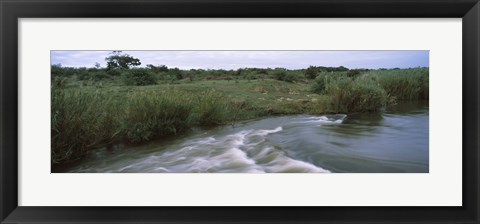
(12, 10)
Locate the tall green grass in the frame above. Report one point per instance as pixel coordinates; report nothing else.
(361, 95)
(83, 119)
(210, 109)
(369, 91)
(149, 114)
(404, 84)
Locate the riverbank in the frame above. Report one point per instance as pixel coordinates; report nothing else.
(89, 117)
(86, 117)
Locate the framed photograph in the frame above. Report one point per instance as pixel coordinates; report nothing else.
(239, 111)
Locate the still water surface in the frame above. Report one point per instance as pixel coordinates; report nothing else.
(394, 141)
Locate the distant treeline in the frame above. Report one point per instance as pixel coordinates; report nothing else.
(161, 73)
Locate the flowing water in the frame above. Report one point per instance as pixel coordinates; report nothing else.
(394, 141)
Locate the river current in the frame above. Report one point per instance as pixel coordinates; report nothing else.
(395, 141)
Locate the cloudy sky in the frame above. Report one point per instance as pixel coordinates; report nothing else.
(259, 59)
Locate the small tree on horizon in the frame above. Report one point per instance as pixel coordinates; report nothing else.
(117, 60)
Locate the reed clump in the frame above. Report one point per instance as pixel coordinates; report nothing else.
(362, 95)
(404, 84)
(369, 91)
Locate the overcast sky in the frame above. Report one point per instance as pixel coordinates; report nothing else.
(258, 59)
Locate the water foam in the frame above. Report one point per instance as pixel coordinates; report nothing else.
(271, 159)
(246, 151)
(324, 120)
(266, 132)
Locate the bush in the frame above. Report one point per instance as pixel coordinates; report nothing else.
(321, 81)
(250, 76)
(363, 95)
(311, 72)
(139, 77)
(114, 72)
(99, 75)
(319, 84)
(176, 72)
(290, 77)
(93, 75)
(279, 74)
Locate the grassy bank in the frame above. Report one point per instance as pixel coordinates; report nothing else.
(92, 113)
(84, 119)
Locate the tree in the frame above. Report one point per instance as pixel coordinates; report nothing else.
(311, 72)
(117, 60)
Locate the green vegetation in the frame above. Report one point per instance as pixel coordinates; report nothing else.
(404, 84)
(362, 95)
(95, 107)
(91, 117)
(138, 77)
(117, 60)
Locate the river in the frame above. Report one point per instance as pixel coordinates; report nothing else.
(395, 141)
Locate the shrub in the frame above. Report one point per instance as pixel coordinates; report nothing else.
(139, 77)
(321, 81)
(250, 76)
(311, 72)
(279, 74)
(100, 75)
(290, 78)
(93, 75)
(363, 95)
(176, 72)
(319, 84)
(114, 72)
